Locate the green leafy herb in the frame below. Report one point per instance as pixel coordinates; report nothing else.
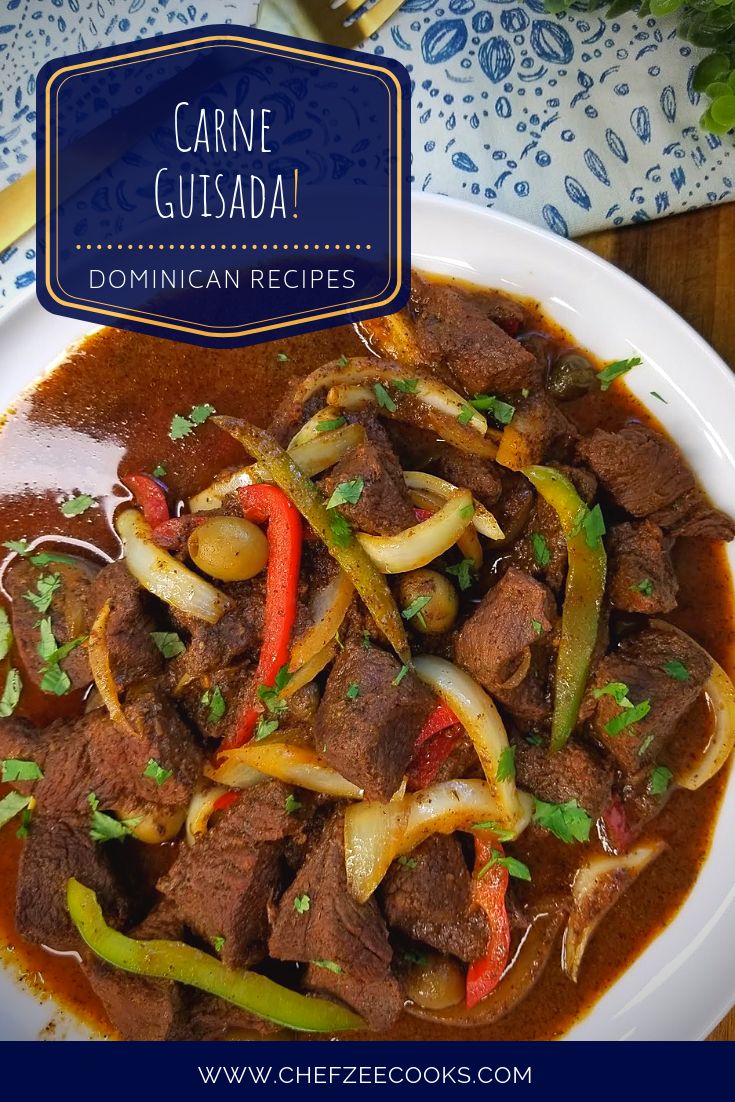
(25, 823)
(537, 626)
(329, 965)
(540, 547)
(11, 805)
(506, 764)
(215, 702)
(218, 943)
(406, 386)
(353, 692)
(467, 511)
(501, 833)
(105, 828)
(659, 780)
(19, 546)
(593, 526)
(264, 728)
(155, 772)
(463, 571)
(159, 470)
(419, 959)
(515, 867)
(503, 412)
(291, 804)
(613, 371)
(343, 361)
(367, 640)
(200, 414)
(11, 694)
(46, 586)
(282, 357)
(466, 415)
(75, 506)
(169, 643)
(644, 745)
(408, 862)
(618, 690)
(400, 676)
(328, 426)
(182, 426)
(6, 634)
(15, 769)
(341, 529)
(645, 587)
(533, 738)
(347, 493)
(569, 822)
(301, 903)
(55, 681)
(415, 608)
(655, 394)
(383, 398)
(45, 558)
(627, 718)
(676, 669)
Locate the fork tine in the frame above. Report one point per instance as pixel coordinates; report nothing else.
(348, 7)
(379, 14)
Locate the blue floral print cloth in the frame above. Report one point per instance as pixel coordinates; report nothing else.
(573, 122)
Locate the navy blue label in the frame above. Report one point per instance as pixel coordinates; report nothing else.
(223, 186)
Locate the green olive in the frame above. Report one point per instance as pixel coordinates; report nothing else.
(571, 376)
(230, 549)
(432, 617)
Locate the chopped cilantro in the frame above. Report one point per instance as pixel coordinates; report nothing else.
(335, 423)
(341, 529)
(400, 675)
(264, 728)
(75, 506)
(383, 398)
(406, 386)
(353, 692)
(11, 805)
(659, 780)
(169, 643)
(46, 586)
(463, 572)
(644, 745)
(291, 804)
(533, 738)
(159, 470)
(503, 412)
(467, 511)
(105, 828)
(155, 772)
(330, 965)
(593, 526)
(613, 371)
(218, 943)
(282, 357)
(346, 493)
(540, 547)
(11, 694)
(618, 690)
(343, 361)
(415, 608)
(25, 823)
(301, 903)
(408, 862)
(466, 415)
(515, 867)
(200, 414)
(6, 633)
(19, 546)
(501, 833)
(627, 718)
(15, 769)
(55, 681)
(44, 558)
(215, 702)
(537, 626)
(182, 426)
(645, 586)
(569, 822)
(676, 669)
(367, 640)
(506, 764)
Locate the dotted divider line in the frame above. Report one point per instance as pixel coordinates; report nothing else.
(254, 247)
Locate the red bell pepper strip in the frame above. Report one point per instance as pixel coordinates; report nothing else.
(266, 503)
(428, 758)
(227, 799)
(422, 514)
(441, 718)
(150, 497)
(488, 892)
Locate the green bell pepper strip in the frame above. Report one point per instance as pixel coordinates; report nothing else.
(173, 960)
(582, 599)
(278, 465)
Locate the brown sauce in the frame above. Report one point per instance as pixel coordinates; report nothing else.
(106, 411)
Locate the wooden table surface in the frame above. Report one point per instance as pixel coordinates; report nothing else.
(689, 262)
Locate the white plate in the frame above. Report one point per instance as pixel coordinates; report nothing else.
(684, 983)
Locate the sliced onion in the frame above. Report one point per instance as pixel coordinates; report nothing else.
(393, 336)
(421, 544)
(328, 610)
(306, 673)
(483, 520)
(232, 772)
(468, 543)
(165, 577)
(299, 765)
(322, 451)
(524, 971)
(478, 715)
(376, 833)
(720, 693)
(99, 663)
(200, 811)
(310, 430)
(597, 885)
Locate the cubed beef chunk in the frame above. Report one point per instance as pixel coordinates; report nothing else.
(539, 431)
(369, 737)
(455, 333)
(427, 897)
(328, 924)
(56, 849)
(235, 637)
(223, 885)
(632, 808)
(140, 1008)
(470, 472)
(543, 551)
(692, 515)
(211, 1019)
(69, 613)
(640, 662)
(133, 654)
(556, 776)
(384, 506)
(515, 615)
(19, 739)
(641, 577)
(640, 468)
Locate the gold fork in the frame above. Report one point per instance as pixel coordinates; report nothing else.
(326, 20)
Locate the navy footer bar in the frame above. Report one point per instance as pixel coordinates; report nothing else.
(532, 1070)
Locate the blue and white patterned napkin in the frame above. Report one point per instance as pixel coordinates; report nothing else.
(569, 121)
